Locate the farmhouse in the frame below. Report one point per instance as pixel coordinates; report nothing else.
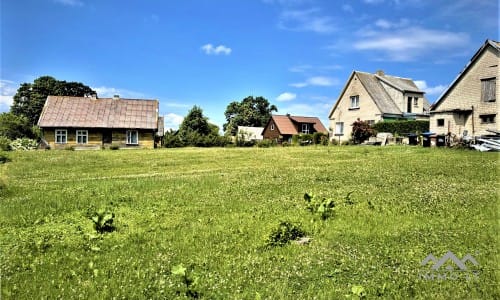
(281, 128)
(91, 122)
(376, 97)
(468, 106)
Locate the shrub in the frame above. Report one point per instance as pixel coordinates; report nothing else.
(24, 144)
(319, 138)
(4, 158)
(265, 143)
(361, 131)
(334, 142)
(103, 221)
(402, 127)
(284, 233)
(5, 143)
(320, 206)
(188, 279)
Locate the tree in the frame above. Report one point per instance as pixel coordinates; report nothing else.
(194, 122)
(13, 127)
(30, 97)
(254, 112)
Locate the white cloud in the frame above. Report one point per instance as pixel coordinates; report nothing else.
(409, 43)
(385, 24)
(172, 121)
(107, 92)
(306, 20)
(70, 2)
(8, 89)
(316, 81)
(286, 97)
(435, 90)
(210, 49)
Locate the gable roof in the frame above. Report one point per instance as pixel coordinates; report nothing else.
(373, 85)
(80, 112)
(286, 124)
(488, 43)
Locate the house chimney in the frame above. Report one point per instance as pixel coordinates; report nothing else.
(380, 72)
(93, 96)
(116, 97)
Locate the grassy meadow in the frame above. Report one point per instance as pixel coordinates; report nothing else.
(211, 211)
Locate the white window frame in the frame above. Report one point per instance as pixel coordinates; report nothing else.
(83, 135)
(341, 126)
(354, 102)
(61, 136)
(129, 135)
(305, 128)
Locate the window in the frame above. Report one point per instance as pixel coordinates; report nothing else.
(61, 136)
(354, 102)
(440, 122)
(305, 128)
(82, 136)
(408, 106)
(132, 137)
(487, 118)
(488, 89)
(415, 101)
(272, 126)
(339, 128)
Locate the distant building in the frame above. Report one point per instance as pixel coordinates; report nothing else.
(376, 97)
(250, 133)
(281, 128)
(469, 106)
(91, 122)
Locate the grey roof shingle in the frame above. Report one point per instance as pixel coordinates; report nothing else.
(382, 99)
(79, 112)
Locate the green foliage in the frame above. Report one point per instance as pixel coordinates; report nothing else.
(13, 126)
(284, 233)
(243, 139)
(359, 291)
(24, 144)
(4, 158)
(361, 131)
(171, 139)
(5, 143)
(320, 206)
(266, 143)
(253, 112)
(103, 221)
(194, 122)
(305, 139)
(402, 127)
(188, 279)
(30, 97)
(320, 138)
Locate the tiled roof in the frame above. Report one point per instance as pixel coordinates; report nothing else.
(79, 112)
(286, 124)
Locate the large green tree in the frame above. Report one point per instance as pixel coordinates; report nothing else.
(30, 97)
(12, 126)
(250, 111)
(195, 122)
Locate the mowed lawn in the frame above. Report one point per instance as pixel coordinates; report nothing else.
(212, 210)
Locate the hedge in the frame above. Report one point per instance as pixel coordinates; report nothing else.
(402, 127)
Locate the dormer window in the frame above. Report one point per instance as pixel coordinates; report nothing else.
(305, 128)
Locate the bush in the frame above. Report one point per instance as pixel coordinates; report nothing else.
(361, 131)
(284, 233)
(265, 143)
(4, 158)
(402, 127)
(5, 143)
(24, 144)
(320, 138)
(334, 142)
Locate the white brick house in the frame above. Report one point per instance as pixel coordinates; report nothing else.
(468, 105)
(373, 98)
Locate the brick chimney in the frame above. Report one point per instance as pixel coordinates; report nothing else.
(116, 97)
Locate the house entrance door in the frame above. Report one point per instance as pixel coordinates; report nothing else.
(107, 137)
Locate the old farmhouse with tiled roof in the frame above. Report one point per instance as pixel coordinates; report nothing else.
(281, 128)
(469, 106)
(376, 97)
(91, 122)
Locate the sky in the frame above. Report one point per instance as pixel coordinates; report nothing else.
(298, 54)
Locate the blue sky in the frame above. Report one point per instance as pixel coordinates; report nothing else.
(296, 53)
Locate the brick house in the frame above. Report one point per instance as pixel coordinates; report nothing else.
(281, 128)
(91, 122)
(468, 106)
(376, 97)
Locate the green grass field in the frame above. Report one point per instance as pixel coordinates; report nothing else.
(212, 210)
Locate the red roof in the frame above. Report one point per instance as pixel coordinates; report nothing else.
(85, 112)
(288, 124)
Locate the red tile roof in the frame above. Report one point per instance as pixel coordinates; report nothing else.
(287, 124)
(64, 111)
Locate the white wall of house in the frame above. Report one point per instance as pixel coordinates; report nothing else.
(467, 93)
(343, 113)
